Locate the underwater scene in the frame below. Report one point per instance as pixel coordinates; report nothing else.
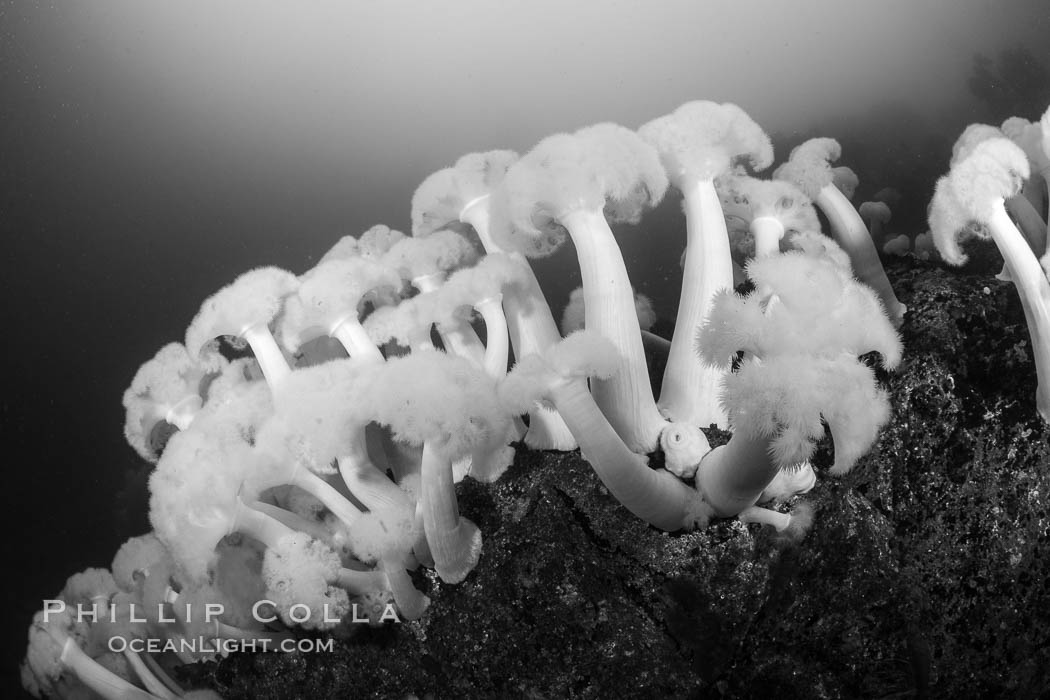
(526, 349)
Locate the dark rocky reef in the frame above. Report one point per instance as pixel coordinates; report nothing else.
(926, 574)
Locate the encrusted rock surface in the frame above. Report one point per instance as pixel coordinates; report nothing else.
(926, 574)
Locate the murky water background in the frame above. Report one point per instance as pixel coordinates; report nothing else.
(149, 153)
